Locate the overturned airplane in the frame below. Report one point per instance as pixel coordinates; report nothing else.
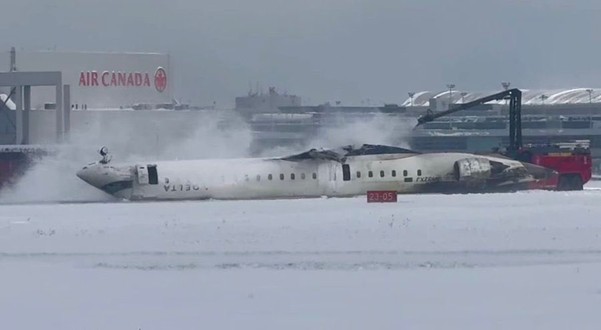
(347, 171)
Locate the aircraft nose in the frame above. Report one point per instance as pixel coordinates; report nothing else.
(81, 173)
(88, 175)
(114, 180)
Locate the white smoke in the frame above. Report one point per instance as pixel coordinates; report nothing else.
(53, 179)
(212, 137)
(378, 129)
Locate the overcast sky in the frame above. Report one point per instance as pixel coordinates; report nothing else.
(327, 50)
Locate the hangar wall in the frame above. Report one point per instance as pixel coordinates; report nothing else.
(100, 80)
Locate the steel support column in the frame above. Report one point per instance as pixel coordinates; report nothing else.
(26, 114)
(59, 113)
(18, 100)
(67, 110)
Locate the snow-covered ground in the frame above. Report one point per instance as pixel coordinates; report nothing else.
(484, 261)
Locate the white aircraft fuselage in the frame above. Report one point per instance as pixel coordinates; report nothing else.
(313, 174)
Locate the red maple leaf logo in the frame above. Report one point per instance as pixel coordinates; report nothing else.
(160, 80)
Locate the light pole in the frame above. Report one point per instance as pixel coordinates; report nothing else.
(411, 94)
(590, 95)
(450, 87)
(463, 94)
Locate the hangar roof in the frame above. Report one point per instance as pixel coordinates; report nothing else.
(529, 96)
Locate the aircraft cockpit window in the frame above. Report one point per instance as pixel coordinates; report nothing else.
(419, 172)
(405, 173)
(281, 176)
(314, 176)
(292, 176)
(393, 173)
(370, 174)
(270, 177)
(303, 176)
(381, 174)
(153, 176)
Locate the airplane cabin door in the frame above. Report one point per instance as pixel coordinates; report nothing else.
(346, 172)
(147, 178)
(142, 174)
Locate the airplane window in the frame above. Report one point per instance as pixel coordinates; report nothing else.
(314, 176)
(393, 173)
(381, 174)
(281, 176)
(258, 178)
(404, 172)
(358, 174)
(370, 174)
(246, 177)
(291, 176)
(419, 172)
(270, 177)
(303, 176)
